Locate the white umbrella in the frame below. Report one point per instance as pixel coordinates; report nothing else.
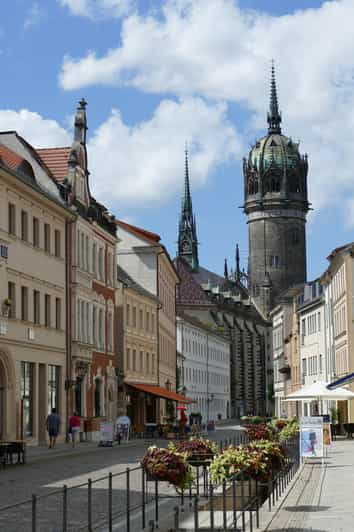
(319, 391)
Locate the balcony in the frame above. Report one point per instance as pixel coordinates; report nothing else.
(284, 366)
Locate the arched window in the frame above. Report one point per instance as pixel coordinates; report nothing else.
(97, 398)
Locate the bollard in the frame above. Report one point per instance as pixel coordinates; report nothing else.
(234, 504)
(224, 504)
(65, 508)
(211, 506)
(34, 513)
(156, 503)
(127, 487)
(110, 513)
(143, 509)
(196, 521)
(89, 505)
(176, 519)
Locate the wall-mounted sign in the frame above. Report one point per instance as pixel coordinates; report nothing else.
(311, 437)
(4, 251)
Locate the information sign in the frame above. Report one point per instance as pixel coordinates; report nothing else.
(106, 434)
(123, 428)
(311, 437)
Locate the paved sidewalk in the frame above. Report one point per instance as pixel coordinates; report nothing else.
(321, 500)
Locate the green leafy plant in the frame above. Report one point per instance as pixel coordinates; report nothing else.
(251, 462)
(168, 465)
(289, 431)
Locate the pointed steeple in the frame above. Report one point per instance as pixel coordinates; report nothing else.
(187, 234)
(187, 200)
(238, 271)
(226, 271)
(274, 116)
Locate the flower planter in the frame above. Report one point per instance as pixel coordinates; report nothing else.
(246, 492)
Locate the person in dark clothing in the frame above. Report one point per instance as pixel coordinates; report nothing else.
(53, 426)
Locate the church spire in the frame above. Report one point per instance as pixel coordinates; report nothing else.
(187, 234)
(274, 116)
(226, 270)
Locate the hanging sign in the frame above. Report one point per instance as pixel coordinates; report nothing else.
(311, 437)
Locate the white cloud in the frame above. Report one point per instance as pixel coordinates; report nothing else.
(144, 164)
(39, 131)
(215, 49)
(34, 16)
(98, 9)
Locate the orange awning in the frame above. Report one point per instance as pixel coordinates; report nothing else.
(160, 392)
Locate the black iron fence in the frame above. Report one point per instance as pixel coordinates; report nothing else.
(127, 501)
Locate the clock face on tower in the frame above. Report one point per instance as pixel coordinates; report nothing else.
(185, 246)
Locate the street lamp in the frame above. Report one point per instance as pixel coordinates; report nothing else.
(209, 399)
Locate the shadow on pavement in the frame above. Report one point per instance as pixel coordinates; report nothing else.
(306, 508)
(298, 530)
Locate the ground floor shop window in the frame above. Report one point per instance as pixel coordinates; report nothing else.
(78, 396)
(53, 387)
(26, 394)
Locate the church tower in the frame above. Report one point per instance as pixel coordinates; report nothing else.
(187, 233)
(276, 204)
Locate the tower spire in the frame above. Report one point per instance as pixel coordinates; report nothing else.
(238, 271)
(187, 234)
(226, 270)
(274, 116)
(187, 200)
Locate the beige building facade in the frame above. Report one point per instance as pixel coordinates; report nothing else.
(137, 349)
(33, 222)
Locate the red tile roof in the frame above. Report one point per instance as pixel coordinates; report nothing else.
(57, 160)
(147, 235)
(10, 158)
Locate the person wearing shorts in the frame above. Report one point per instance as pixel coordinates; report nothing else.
(53, 426)
(74, 427)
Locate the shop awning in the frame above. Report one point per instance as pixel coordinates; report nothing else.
(160, 392)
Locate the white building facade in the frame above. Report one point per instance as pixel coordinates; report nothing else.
(204, 368)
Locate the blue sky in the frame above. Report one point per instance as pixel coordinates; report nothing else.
(158, 74)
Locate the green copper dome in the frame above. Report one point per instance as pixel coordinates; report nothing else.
(274, 150)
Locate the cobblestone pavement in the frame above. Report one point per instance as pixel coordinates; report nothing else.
(46, 473)
(322, 497)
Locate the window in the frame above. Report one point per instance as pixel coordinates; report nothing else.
(141, 319)
(12, 219)
(100, 263)
(274, 261)
(110, 332)
(57, 313)
(53, 387)
(303, 327)
(141, 361)
(153, 323)
(100, 328)
(147, 324)
(94, 326)
(98, 386)
(319, 321)
(35, 224)
(134, 316)
(36, 307)
(152, 363)
(24, 226)
(26, 394)
(128, 358)
(47, 238)
(24, 303)
(134, 359)
(87, 265)
(147, 363)
(47, 320)
(57, 243)
(304, 367)
(127, 317)
(94, 259)
(78, 396)
(11, 294)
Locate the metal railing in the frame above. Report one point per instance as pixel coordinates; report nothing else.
(127, 501)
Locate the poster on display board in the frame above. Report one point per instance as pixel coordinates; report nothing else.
(311, 437)
(106, 434)
(327, 436)
(123, 428)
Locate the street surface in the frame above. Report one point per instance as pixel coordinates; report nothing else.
(47, 471)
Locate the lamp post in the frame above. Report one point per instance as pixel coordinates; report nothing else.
(209, 399)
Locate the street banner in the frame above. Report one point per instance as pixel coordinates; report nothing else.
(123, 428)
(106, 434)
(311, 437)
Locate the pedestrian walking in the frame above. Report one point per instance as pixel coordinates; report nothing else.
(74, 427)
(53, 426)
